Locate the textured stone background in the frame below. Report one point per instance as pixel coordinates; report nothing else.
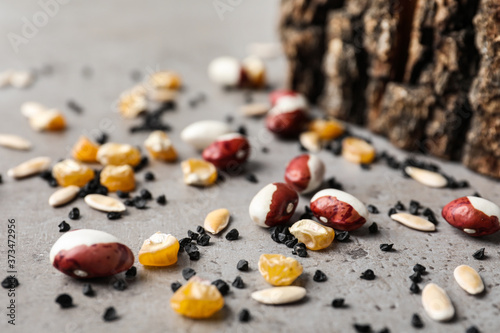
(115, 37)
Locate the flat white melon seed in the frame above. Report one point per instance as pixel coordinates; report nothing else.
(413, 221)
(468, 279)
(104, 203)
(427, 177)
(279, 295)
(63, 195)
(436, 303)
(14, 142)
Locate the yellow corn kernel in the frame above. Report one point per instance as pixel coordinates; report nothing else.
(165, 80)
(159, 250)
(118, 154)
(357, 150)
(85, 150)
(132, 103)
(48, 120)
(160, 147)
(197, 299)
(198, 172)
(118, 178)
(314, 235)
(70, 172)
(279, 270)
(327, 129)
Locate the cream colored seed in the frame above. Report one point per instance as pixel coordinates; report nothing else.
(104, 203)
(29, 109)
(254, 109)
(468, 279)
(414, 222)
(426, 177)
(436, 303)
(5, 78)
(41, 121)
(14, 142)
(279, 295)
(132, 103)
(63, 195)
(31, 167)
(310, 141)
(217, 220)
(21, 79)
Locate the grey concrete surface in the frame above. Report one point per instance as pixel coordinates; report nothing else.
(115, 37)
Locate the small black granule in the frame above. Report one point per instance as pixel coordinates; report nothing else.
(282, 237)
(365, 166)
(65, 301)
(419, 268)
(203, 240)
(242, 265)
(200, 230)
(185, 242)
(87, 290)
(120, 285)
(193, 235)
(175, 285)
(336, 148)
(342, 236)
(386, 247)
(1, 179)
(319, 276)
(414, 207)
(140, 203)
(416, 277)
(338, 303)
(53, 183)
(291, 243)
(74, 214)
(476, 194)
(251, 178)
(428, 212)
(131, 272)
(362, 328)
(264, 150)
(63, 226)
(392, 211)
(110, 314)
(161, 200)
(229, 119)
(129, 203)
(242, 130)
(333, 183)
(479, 254)
(145, 194)
(74, 106)
(238, 283)
(373, 229)
(142, 164)
(192, 251)
(432, 219)
(416, 321)
(122, 195)
(275, 231)
(372, 209)
(384, 330)
(414, 288)
(302, 148)
(368, 275)
(244, 316)
(188, 273)
(300, 251)
(472, 329)
(10, 282)
(399, 206)
(194, 255)
(102, 139)
(222, 286)
(149, 176)
(232, 235)
(114, 215)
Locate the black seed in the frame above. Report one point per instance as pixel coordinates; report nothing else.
(161, 200)
(1, 179)
(472, 329)
(149, 176)
(338, 303)
(319, 276)
(146, 195)
(188, 273)
(368, 275)
(291, 243)
(120, 285)
(282, 237)
(203, 240)
(220, 178)
(175, 285)
(142, 164)
(479, 254)
(251, 178)
(300, 246)
(265, 150)
(301, 147)
(336, 148)
(416, 321)
(74, 106)
(131, 272)
(74, 214)
(232, 235)
(372, 209)
(386, 247)
(102, 139)
(185, 241)
(129, 203)
(87, 290)
(414, 288)
(399, 206)
(242, 130)
(63, 226)
(362, 328)
(342, 236)
(191, 248)
(242, 265)
(114, 215)
(419, 268)
(122, 195)
(222, 286)
(193, 235)
(110, 314)
(140, 203)
(65, 301)
(428, 212)
(238, 283)
(384, 330)
(102, 190)
(301, 252)
(432, 219)
(392, 211)
(10, 282)
(332, 183)
(195, 255)
(244, 316)
(416, 277)
(414, 210)
(365, 166)
(229, 119)
(200, 230)
(476, 194)
(373, 229)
